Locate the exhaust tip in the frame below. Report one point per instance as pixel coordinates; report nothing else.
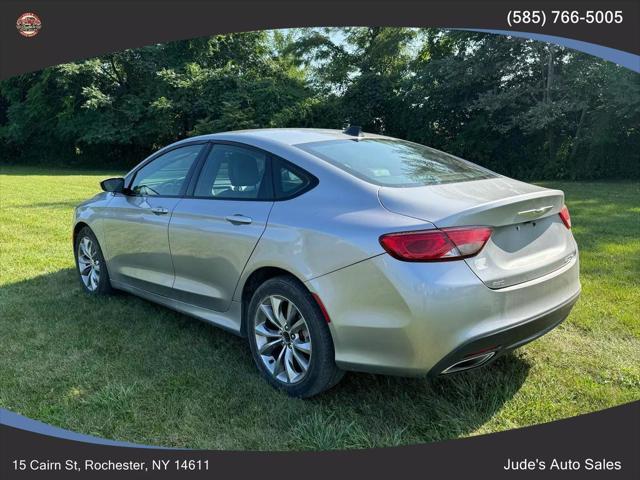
(469, 362)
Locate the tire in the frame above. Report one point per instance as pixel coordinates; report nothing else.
(89, 259)
(282, 364)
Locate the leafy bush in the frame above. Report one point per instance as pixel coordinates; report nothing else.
(524, 108)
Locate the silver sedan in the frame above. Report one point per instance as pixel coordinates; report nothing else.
(335, 250)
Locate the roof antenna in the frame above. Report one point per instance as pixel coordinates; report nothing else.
(354, 131)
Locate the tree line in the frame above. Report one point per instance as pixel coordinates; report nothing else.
(523, 108)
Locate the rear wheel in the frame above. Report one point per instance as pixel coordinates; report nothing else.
(90, 264)
(290, 340)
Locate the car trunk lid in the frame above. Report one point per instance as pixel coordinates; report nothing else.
(529, 239)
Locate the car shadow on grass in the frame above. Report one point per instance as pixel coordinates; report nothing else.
(124, 368)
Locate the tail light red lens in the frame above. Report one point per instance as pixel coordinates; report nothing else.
(436, 245)
(322, 307)
(566, 218)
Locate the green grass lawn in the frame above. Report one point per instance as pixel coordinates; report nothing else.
(126, 369)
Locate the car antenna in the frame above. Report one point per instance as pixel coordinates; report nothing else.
(354, 131)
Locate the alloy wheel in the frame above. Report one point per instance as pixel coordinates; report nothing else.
(88, 263)
(282, 339)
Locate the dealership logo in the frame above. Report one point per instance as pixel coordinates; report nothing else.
(28, 24)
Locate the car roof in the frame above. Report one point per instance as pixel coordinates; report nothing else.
(281, 142)
(287, 136)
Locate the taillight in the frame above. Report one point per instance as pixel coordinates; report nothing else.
(322, 308)
(436, 245)
(566, 218)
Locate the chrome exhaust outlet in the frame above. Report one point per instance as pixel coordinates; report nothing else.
(467, 363)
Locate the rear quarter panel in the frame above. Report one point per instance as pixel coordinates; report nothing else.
(334, 225)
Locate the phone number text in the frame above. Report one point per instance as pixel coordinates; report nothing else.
(540, 17)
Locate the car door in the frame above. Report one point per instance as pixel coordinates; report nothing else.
(214, 230)
(136, 223)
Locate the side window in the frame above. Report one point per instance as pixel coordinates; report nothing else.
(166, 174)
(233, 172)
(289, 180)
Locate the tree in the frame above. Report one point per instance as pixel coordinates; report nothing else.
(523, 108)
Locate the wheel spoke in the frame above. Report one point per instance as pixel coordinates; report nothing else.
(269, 346)
(302, 362)
(269, 313)
(263, 331)
(291, 313)
(304, 347)
(85, 245)
(279, 367)
(288, 364)
(299, 325)
(276, 306)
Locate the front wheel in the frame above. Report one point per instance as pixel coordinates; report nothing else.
(290, 340)
(90, 263)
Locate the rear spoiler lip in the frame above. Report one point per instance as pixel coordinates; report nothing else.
(550, 202)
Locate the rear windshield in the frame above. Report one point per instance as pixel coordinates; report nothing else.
(395, 163)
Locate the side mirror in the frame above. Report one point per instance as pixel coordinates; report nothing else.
(114, 185)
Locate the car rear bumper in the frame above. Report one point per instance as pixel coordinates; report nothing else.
(414, 319)
(487, 347)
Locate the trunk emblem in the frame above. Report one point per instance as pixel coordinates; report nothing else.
(535, 212)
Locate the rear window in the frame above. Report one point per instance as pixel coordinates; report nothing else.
(395, 163)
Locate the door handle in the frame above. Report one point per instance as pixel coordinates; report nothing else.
(238, 219)
(160, 210)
